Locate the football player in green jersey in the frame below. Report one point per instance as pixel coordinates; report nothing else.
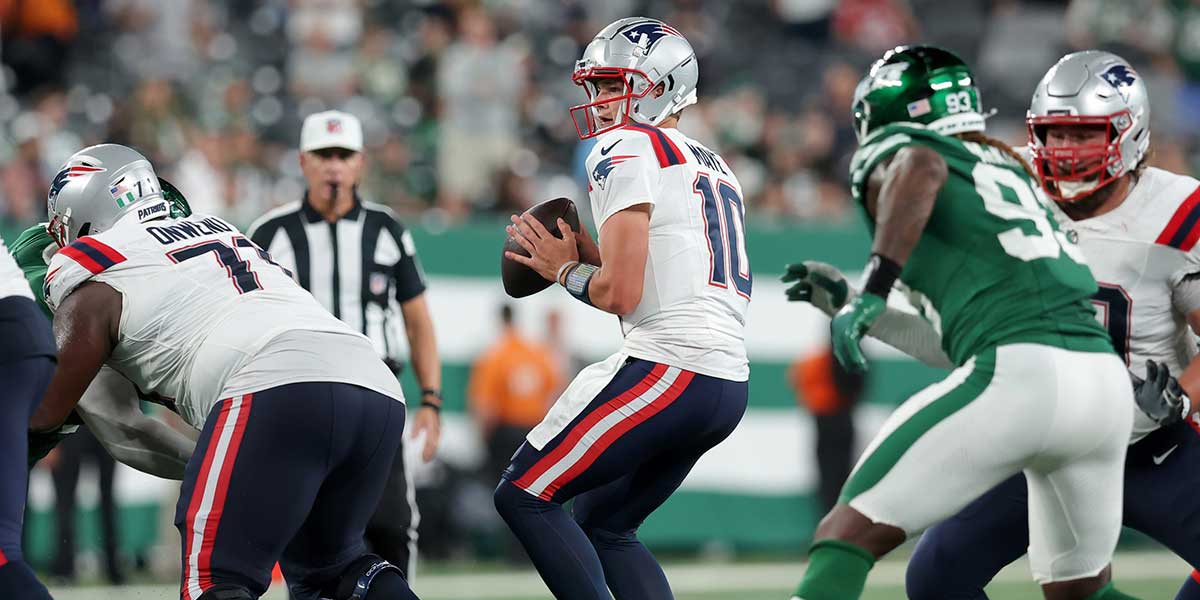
(958, 220)
(110, 408)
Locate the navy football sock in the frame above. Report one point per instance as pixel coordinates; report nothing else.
(17, 582)
(557, 546)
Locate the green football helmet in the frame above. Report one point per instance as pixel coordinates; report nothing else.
(178, 204)
(918, 84)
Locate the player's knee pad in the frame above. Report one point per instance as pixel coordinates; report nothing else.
(370, 577)
(227, 591)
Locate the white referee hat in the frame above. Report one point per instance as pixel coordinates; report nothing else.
(331, 129)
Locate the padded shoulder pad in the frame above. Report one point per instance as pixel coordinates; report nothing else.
(75, 264)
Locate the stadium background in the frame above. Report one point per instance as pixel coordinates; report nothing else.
(464, 105)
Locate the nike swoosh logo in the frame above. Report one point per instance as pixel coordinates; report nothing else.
(605, 151)
(1158, 460)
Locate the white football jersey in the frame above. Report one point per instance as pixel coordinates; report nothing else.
(697, 285)
(206, 315)
(12, 280)
(1140, 253)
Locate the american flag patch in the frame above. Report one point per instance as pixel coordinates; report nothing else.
(918, 108)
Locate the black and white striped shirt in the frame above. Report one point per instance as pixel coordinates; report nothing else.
(361, 267)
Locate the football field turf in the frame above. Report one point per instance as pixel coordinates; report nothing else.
(1146, 575)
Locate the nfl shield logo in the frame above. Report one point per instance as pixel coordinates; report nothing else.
(379, 283)
(333, 126)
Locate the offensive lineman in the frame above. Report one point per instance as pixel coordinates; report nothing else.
(672, 264)
(299, 418)
(957, 218)
(110, 407)
(26, 365)
(1089, 124)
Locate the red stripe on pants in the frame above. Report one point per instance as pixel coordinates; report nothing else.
(577, 432)
(198, 497)
(214, 514)
(681, 382)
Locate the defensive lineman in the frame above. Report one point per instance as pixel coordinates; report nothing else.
(672, 264)
(1089, 132)
(957, 218)
(299, 418)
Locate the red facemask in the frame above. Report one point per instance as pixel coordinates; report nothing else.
(587, 124)
(1078, 163)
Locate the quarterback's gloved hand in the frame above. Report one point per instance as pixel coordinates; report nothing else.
(848, 327)
(820, 284)
(1160, 396)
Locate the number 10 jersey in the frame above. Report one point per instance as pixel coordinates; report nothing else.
(206, 315)
(991, 266)
(696, 289)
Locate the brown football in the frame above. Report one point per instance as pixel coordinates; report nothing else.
(520, 280)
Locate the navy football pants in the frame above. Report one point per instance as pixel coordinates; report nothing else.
(26, 365)
(621, 458)
(289, 474)
(956, 558)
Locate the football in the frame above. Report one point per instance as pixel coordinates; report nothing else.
(520, 280)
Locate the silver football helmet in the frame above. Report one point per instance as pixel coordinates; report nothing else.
(1089, 88)
(642, 53)
(97, 187)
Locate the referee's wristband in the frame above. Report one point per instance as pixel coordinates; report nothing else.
(436, 406)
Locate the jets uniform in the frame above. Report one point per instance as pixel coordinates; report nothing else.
(1145, 257)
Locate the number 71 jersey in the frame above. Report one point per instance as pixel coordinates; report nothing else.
(991, 260)
(198, 301)
(697, 284)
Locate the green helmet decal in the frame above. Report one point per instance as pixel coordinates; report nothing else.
(918, 84)
(179, 205)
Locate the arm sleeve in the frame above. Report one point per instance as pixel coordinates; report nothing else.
(911, 334)
(625, 177)
(110, 408)
(409, 276)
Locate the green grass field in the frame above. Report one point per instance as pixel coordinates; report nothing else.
(1147, 575)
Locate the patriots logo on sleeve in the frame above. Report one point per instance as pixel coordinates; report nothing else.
(1120, 77)
(652, 32)
(605, 167)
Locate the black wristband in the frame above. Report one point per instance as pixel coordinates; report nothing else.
(881, 275)
(437, 407)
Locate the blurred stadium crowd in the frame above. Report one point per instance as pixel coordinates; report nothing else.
(465, 102)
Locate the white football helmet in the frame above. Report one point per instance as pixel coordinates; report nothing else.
(97, 187)
(642, 53)
(1091, 88)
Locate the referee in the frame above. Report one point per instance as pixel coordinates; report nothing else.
(358, 261)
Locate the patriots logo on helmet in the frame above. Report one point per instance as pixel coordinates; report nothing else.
(1120, 77)
(604, 168)
(652, 30)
